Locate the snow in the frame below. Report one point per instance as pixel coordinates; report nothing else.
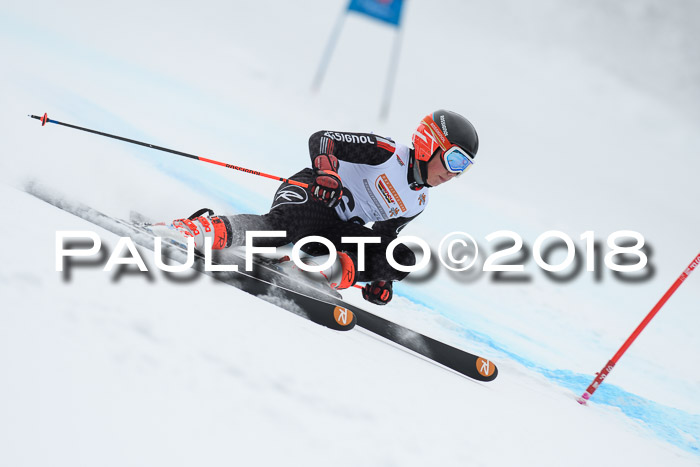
(588, 121)
(100, 370)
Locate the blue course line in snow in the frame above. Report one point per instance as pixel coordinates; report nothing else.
(405, 292)
(677, 427)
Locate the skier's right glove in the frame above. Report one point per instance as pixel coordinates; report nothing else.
(378, 292)
(327, 186)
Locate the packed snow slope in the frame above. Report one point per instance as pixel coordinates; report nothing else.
(588, 121)
(132, 369)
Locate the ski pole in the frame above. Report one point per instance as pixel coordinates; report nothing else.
(45, 119)
(602, 374)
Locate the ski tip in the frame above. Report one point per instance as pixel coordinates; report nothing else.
(487, 369)
(345, 319)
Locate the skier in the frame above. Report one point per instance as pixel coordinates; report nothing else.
(355, 179)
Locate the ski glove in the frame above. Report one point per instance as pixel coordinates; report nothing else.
(378, 292)
(327, 186)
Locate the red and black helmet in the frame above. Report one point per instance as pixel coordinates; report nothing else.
(444, 129)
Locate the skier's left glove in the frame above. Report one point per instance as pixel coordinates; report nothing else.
(327, 186)
(378, 292)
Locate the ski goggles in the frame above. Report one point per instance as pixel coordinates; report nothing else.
(456, 160)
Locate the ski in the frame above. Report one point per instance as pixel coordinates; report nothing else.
(270, 283)
(461, 361)
(264, 283)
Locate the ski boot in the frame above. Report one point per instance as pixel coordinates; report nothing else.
(199, 226)
(338, 276)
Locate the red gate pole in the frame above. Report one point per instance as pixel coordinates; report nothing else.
(600, 376)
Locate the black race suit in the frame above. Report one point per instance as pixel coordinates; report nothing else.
(376, 174)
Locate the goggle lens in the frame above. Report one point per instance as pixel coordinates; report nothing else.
(457, 161)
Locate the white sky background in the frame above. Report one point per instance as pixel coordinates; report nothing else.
(587, 114)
